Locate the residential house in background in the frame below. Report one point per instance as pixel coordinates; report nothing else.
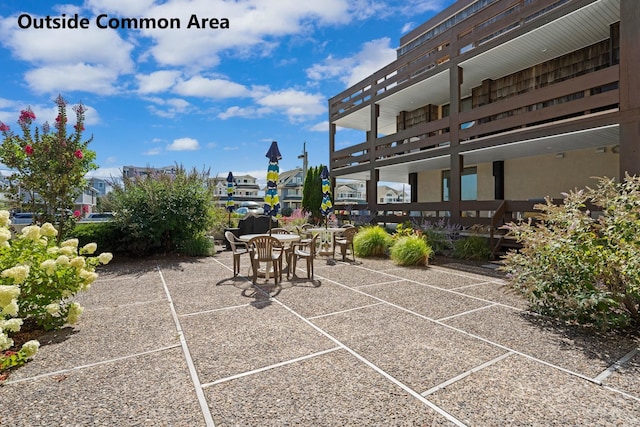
(101, 185)
(87, 200)
(388, 194)
(290, 185)
(349, 193)
(492, 105)
(353, 193)
(246, 190)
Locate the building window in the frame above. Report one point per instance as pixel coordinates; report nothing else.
(469, 182)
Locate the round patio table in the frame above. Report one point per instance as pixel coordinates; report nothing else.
(285, 239)
(327, 238)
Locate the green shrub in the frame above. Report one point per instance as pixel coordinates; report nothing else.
(104, 234)
(163, 211)
(372, 241)
(411, 250)
(200, 245)
(286, 211)
(471, 247)
(581, 269)
(403, 230)
(440, 236)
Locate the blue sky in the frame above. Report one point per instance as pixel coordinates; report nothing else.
(204, 98)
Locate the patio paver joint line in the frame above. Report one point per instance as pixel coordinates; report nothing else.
(90, 365)
(266, 368)
(466, 374)
(484, 307)
(617, 365)
(204, 406)
(478, 337)
(376, 368)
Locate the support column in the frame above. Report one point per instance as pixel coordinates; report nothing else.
(413, 182)
(456, 160)
(629, 88)
(455, 186)
(372, 137)
(498, 180)
(372, 190)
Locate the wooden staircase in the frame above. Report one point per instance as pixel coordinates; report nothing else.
(499, 241)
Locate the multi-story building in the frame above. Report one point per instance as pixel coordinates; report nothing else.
(290, 185)
(246, 190)
(133, 171)
(101, 185)
(493, 105)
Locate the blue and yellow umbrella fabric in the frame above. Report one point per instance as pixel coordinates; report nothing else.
(271, 198)
(230, 191)
(326, 207)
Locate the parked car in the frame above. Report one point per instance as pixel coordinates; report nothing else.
(22, 218)
(250, 207)
(98, 217)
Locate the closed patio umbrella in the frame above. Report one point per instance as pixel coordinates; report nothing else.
(271, 199)
(230, 190)
(326, 207)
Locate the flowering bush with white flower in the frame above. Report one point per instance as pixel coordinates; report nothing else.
(38, 280)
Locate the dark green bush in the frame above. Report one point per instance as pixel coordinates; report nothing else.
(104, 234)
(471, 247)
(372, 241)
(411, 250)
(286, 211)
(578, 268)
(162, 211)
(199, 245)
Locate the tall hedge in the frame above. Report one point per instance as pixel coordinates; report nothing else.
(161, 211)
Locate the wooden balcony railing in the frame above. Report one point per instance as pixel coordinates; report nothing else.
(457, 40)
(525, 110)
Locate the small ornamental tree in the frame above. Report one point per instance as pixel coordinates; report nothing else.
(49, 164)
(312, 193)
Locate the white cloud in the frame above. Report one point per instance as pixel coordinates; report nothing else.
(105, 173)
(210, 88)
(407, 27)
(295, 104)
(320, 127)
(152, 152)
(373, 56)
(65, 60)
(253, 27)
(184, 144)
(158, 81)
(72, 77)
(244, 112)
(169, 108)
(126, 8)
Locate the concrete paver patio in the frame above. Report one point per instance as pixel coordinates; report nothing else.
(180, 342)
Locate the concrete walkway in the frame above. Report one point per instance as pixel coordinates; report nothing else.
(179, 342)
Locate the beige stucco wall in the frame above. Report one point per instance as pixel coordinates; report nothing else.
(532, 177)
(486, 188)
(548, 175)
(430, 186)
